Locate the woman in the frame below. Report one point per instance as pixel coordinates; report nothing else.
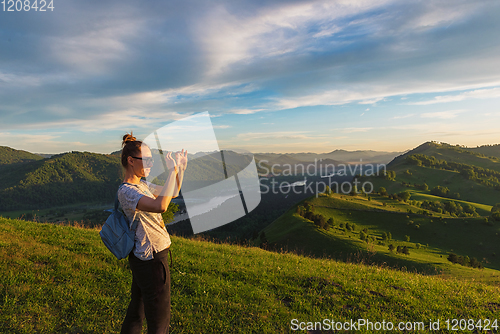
(144, 202)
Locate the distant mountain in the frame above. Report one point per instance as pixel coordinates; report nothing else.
(11, 156)
(336, 157)
(77, 177)
(63, 179)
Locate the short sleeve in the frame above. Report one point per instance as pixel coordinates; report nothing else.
(151, 187)
(129, 196)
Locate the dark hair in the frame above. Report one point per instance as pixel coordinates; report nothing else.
(130, 147)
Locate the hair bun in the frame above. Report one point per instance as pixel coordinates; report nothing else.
(127, 138)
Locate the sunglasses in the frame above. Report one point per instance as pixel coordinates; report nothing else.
(145, 161)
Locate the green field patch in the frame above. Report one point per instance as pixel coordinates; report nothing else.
(436, 236)
(61, 279)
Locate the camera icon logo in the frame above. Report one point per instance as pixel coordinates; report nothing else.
(219, 186)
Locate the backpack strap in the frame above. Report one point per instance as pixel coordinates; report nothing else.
(133, 227)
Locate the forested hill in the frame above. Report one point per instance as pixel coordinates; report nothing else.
(454, 154)
(63, 179)
(11, 156)
(488, 150)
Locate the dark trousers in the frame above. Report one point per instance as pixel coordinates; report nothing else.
(150, 295)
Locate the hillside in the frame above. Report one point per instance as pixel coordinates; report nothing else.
(361, 226)
(63, 179)
(11, 156)
(61, 279)
(487, 150)
(450, 153)
(466, 175)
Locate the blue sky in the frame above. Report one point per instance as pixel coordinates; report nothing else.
(276, 76)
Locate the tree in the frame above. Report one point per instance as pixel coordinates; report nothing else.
(405, 195)
(453, 258)
(495, 208)
(391, 247)
(322, 221)
(495, 212)
(168, 216)
(440, 191)
(300, 210)
(328, 191)
(390, 175)
(407, 238)
(405, 250)
(330, 222)
(496, 216)
(468, 173)
(382, 191)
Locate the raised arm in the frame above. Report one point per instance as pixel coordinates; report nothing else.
(161, 202)
(181, 161)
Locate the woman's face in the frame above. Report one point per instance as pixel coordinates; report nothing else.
(142, 166)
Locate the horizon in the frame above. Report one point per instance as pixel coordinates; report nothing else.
(280, 153)
(275, 77)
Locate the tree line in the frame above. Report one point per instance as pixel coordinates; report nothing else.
(485, 176)
(64, 179)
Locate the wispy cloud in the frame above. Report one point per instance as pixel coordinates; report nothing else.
(275, 135)
(475, 94)
(354, 130)
(403, 116)
(31, 142)
(244, 111)
(449, 114)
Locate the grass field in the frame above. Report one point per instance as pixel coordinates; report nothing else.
(61, 279)
(437, 236)
(469, 190)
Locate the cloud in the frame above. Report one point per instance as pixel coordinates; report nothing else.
(221, 126)
(403, 116)
(31, 142)
(229, 37)
(372, 101)
(274, 135)
(475, 94)
(354, 130)
(244, 111)
(449, 114)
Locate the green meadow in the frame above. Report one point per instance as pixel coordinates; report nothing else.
(431, 239)
(61, 279)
